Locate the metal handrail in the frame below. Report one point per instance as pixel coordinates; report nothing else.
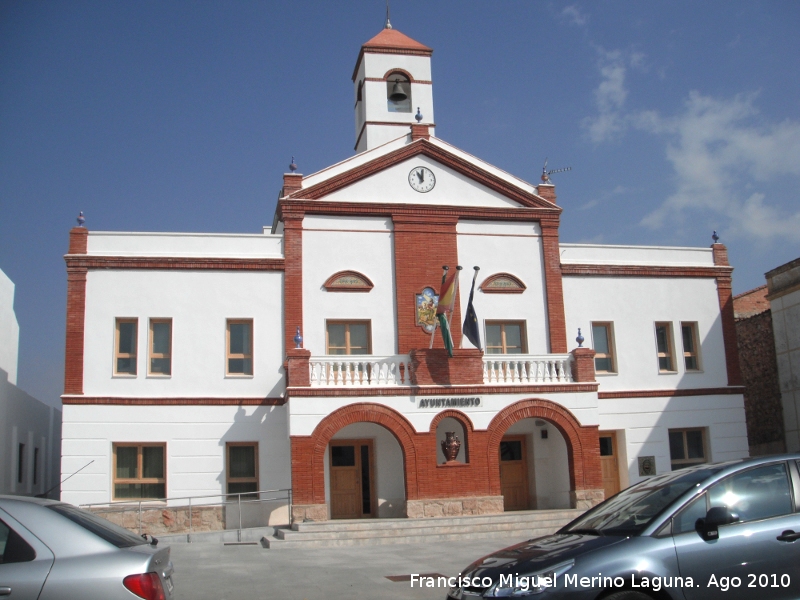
(226, 499)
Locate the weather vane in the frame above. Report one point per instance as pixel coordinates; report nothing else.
(546, 174)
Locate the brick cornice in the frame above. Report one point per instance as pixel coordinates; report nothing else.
(642, 271)
(718, 391)
(487, 390)
(426, 148)
(138, 401)
(84, 261)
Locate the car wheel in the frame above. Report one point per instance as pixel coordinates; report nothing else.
(627, 595)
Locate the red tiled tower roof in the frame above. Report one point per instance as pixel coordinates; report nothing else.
(391, 39)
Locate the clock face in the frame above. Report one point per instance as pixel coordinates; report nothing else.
(421, 179)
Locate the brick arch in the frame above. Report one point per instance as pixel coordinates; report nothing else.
(583, 445)
(364, 412)
(391, 72)
(463, 418)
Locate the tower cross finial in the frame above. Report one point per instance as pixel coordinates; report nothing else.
(388, 24)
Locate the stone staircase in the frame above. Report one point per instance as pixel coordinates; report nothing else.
(362, 532)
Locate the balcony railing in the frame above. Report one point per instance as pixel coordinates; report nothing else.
(521, 369)
(360, 370)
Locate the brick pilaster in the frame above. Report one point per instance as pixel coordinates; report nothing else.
(76, 313)
(434, 367)
(583, 365)
(725, 294)
(557, 327)
(293, 276)
(297, 368)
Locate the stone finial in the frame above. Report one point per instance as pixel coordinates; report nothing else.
(715, 237)
(298, 339)
(292, 166)
(580, 339)
(81, 219)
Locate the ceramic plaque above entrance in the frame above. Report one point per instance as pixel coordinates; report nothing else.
(502, 283)
(348, 281)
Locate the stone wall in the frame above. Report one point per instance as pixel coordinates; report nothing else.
(454, 507)
(162, 520)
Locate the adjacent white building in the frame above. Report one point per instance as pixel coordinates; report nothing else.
(300, 357)
(30, 431)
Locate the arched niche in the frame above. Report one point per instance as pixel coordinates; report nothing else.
(458, 423)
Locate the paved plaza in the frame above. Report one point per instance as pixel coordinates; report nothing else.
(212, 571)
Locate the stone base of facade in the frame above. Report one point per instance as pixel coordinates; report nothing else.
(309, 512)
(163, 521)
(586, 499)
(454, 507)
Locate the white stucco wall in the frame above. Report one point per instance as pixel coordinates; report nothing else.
(206, 245)
(9, 329)
(634, 305)
(514, 248)
(198, 302)
(366, 245)
(596, 254)
(195, 438)
(786, 329)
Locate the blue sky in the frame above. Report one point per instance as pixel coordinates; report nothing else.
(677, 118)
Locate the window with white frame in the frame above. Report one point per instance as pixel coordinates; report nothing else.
(348, 337)
(603, 342)
(687, 447)
(139, 471)
(506, 337)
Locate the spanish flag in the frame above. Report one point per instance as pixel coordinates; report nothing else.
(447, 300)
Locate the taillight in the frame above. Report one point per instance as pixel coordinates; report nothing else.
(146, 585)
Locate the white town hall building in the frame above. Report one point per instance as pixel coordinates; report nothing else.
(201, 364)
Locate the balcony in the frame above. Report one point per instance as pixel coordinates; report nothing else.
(360, 371)
(526, 369)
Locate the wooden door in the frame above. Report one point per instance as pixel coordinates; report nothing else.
(351, 479)
(609, 465)
(514, 472)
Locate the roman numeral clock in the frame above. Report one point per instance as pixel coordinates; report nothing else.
(421, 179)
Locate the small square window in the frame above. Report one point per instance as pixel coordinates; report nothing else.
(125, 347)
(348, 337)
(603, 341)
(160, 359)
(691, 346)
(239, 358)
(139, 471)
(664, 347)
(687, 447)
(506, 337)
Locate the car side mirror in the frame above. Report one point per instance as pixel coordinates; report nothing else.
(708, 528)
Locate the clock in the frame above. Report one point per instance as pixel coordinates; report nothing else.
(421, 179)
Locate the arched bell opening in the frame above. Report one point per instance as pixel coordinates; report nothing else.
(398, 92)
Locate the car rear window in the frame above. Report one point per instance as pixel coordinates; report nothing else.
(102, 528)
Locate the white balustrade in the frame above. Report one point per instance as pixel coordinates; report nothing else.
(521, 369)
(360, 370)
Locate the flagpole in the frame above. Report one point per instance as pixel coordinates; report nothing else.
(472, 289)
(445, 268)
(453, 303)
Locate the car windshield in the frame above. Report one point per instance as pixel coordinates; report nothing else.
(632, 510)
(102, 528)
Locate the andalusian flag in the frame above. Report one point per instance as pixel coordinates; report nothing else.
(447, 299)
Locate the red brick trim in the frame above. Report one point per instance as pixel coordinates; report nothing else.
(322, 207)
(390, 123)
(583, 443)
(551, 255)
(455, 414)
(291, 183)
(116, 401)
(365, 286)
(404, 72)
(420, 132)
(78, 240)
(293, 277)
(720, 391)
(76, 315)
(83, 261)
(642, 271)
(426, 148)
(726, 309)
(486, 285)
(450, 390)
(308, 452)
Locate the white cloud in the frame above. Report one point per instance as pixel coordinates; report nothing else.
(719, 150)
(575, 15)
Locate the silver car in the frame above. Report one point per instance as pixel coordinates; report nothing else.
(55, 551)
(728, 531)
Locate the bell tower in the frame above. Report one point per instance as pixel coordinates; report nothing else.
(393, 88)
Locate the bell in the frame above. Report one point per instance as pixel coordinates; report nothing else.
(397, 95)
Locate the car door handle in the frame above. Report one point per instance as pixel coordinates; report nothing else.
(5, 591)
(789, 536)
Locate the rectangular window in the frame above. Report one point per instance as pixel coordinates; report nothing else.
(242, 464)
(686, 447)
(603, 340)
(691, 347)
(506, 337)
(348, 337)
(664, 347)
(240, 347)
(21, 463)
(160, 347)
(35, 466)
(125, 347)
(140, 471)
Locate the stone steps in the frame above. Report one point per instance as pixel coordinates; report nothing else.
(335, 533)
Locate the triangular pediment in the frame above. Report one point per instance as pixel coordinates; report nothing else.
(460, 180)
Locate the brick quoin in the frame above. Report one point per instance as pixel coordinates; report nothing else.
(292, 276)
(725, 293)
(76, 312)
(424, 478)
(557, 323)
